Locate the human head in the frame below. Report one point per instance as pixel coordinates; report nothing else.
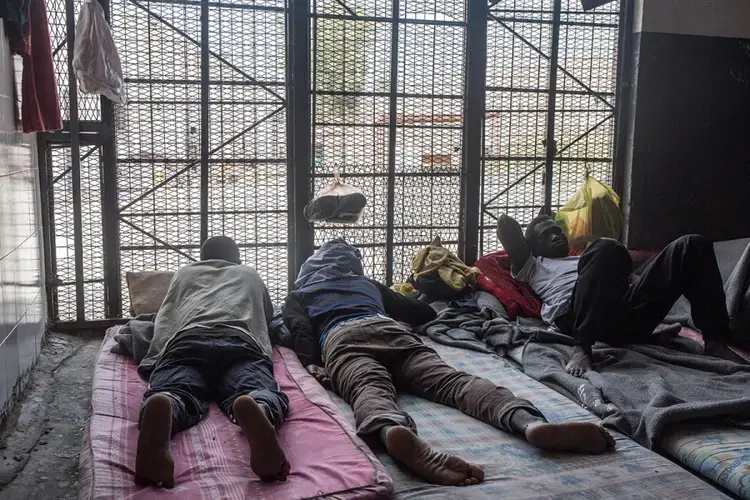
(335, 259)
(221, 248)
(546, 238)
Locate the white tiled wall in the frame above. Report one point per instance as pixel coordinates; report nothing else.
(22, 307)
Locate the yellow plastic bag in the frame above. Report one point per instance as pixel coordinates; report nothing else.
(593, 212)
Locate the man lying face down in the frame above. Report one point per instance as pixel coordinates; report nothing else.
(211, 343)
(349, 322)
(593, 298)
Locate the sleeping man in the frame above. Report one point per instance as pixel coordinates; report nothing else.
(351, 322)
(211, 343)
(594, 298)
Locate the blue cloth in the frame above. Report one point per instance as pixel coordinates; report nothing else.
(332, 285)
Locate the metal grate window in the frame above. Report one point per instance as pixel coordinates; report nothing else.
(212, 142)
(388, 88)
(519, 51)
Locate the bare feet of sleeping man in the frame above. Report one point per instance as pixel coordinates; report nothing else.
(438, 468)
(580, 362)
(153, 460)
(267, 459)
(571, 437)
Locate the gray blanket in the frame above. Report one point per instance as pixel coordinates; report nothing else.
(641, 389)
(135, 338)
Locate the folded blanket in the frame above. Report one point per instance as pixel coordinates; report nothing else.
(135, 338)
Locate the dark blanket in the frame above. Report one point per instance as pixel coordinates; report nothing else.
(641, 389)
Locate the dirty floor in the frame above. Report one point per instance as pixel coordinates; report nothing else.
(41, 439)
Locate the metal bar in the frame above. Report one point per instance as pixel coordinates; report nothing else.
(474, 104)
(350, 11)
(566, 23)
(222, 161)
(156, 239)
(110, 222)
(167, 81)
(552, 107)
(228, 212)
(48, 235)
(352, 93)
(197, 103)
(299, 91)
(544, 91)
(205, 125)
(398, 174)
(543, 158)
(59, 47)
(69, 169)
(223, 5)
(378, 19)
(393, 118)
(533, 170)
(623, 105)
(196, 42)
(178, 248)
(75, 161)
(386, 125)
(195, 162)
(533, 47)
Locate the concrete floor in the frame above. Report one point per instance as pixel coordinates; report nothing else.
(41, 439)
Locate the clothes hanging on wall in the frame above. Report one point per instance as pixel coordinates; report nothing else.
(40, 106)
(15, 15)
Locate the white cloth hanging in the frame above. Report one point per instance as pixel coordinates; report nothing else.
(96, 62)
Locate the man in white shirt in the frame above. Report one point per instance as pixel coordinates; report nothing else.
(594, 298)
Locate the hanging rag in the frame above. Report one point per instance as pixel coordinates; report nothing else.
(96, 62)
(15, 16)
(440, 274)
(40, 106)
(497, 279)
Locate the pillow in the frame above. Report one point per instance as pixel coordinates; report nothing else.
(147, 290)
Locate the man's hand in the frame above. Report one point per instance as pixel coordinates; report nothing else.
(580, 362)
(320, 374)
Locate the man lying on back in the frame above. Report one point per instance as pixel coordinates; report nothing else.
(593, 298)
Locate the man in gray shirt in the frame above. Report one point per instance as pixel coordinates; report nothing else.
(594, 297)
(211, 343)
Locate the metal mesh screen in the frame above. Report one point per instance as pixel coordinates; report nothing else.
(518, 89)
(388, 106)
(388, 114)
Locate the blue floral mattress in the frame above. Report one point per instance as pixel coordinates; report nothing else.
(516, 470)
(720, 454)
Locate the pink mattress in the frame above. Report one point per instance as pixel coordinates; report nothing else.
(212, 459)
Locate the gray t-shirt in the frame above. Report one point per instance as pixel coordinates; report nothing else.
(553, 281)
(209, 294)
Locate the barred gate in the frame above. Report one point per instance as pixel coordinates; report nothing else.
(439, 110)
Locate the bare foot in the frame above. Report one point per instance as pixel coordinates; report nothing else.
(579, 363)
(724, 352)
(153, 460)
(267, 459)
(576, 437)
(439, 468)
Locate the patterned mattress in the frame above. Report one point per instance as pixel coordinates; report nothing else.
(516, 470)
(212, 458)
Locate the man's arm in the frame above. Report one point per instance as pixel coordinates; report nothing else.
(411, 311)
(304, 337)
(511, 237)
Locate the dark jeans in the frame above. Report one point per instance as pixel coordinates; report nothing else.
(202, 367)
(610, 306)
(368, 360)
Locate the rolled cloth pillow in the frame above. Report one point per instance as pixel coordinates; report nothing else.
(337, 202)
(147, 290)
